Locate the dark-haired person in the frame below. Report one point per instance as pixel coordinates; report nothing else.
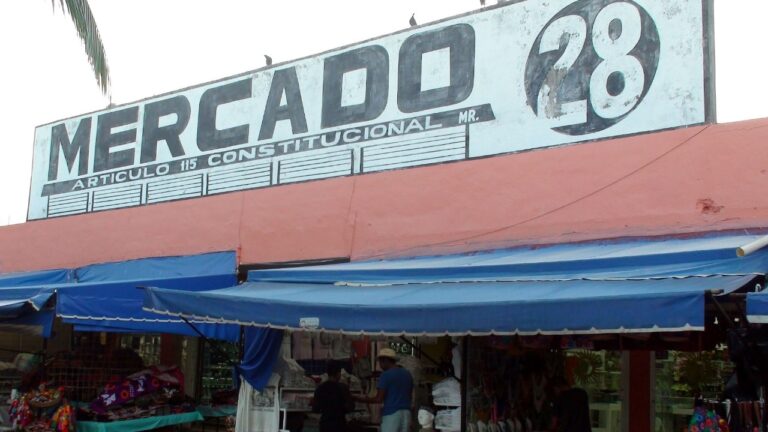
(571, 408)
(395, 391)
(333, 401)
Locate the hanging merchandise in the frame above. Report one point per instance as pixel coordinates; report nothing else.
(41, 410)
(322, 346)
(341, 348)
(20, 413)
(456, 358)
(447, 392)
(361, 346)
(448, 419)
(64, 419)
(706, 420)
(302, 345)
(293, 375)
(257, 411)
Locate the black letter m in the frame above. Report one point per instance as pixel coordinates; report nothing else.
(79, 145)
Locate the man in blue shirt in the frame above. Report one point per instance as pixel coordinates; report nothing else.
(394, 391)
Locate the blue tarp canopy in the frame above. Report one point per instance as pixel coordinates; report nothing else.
(757, 307)
(703, 256)
(31, 279)
(26, 301)
(16, 302)
(599, 287)
(107, 297)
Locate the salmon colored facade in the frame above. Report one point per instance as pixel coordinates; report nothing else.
(690, 180)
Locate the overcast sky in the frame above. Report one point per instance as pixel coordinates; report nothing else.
(155, 46)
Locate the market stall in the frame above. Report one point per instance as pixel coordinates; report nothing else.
(622, 291)
(27, 300)
(104, 338)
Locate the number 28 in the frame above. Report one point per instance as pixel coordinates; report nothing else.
(612, 77)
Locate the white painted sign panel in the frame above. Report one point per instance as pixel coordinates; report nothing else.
(506, 79)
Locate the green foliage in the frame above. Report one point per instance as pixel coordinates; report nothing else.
(695, 371)
(586, 367)
(85, 24)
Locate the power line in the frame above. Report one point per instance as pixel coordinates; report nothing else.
(553, 210)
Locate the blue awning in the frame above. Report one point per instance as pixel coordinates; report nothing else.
(460, 308)
(599, 287)
(757, 307)
(26, 301)
(37, 278)
(637, 259)
(107, 297)
(15, 302)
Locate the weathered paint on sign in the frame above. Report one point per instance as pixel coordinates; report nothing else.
(511, 78)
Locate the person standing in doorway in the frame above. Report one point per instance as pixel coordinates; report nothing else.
(571, 408)
(333, 401)
(395, 391)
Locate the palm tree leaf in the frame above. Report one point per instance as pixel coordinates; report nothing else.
(85, 24)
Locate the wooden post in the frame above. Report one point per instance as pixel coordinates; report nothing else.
(639, 405)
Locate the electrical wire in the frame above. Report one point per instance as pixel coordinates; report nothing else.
(553, 210)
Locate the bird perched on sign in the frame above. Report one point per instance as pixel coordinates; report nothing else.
(412, 21)
(482, 2)
(268, 59)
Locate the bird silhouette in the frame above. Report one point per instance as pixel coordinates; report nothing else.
(268, 60)
(412, 21)
(482, 2)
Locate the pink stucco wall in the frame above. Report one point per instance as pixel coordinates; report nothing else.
(682, 181)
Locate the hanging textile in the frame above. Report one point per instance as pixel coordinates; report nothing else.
(261, 349)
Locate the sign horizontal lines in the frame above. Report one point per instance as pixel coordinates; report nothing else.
(133, 196)
(320, 173)
(433, 159)
(376, 150)
(256, 179)
(174, 187)
(115, 204)
(240, 186)
(118, 190)
(418, 157)
(66, 199)
(391, 143)
(241, 168)
(218, 177)
(319, 167)
(373, 155)
(178, 190)
(75, 204)
(315, 176)
(170, 189)
(155, 198)
(68, 207)
(184, 192)
(66, 212)
(176, 180)
(294, 162)
(68, 204)
(316, 167)
(213, 184)
(338, 163)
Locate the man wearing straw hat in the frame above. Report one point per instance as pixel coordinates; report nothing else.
(394, 391)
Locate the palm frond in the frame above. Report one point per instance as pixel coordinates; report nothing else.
(85, 24)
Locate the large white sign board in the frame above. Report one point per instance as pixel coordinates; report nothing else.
(511, 78)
